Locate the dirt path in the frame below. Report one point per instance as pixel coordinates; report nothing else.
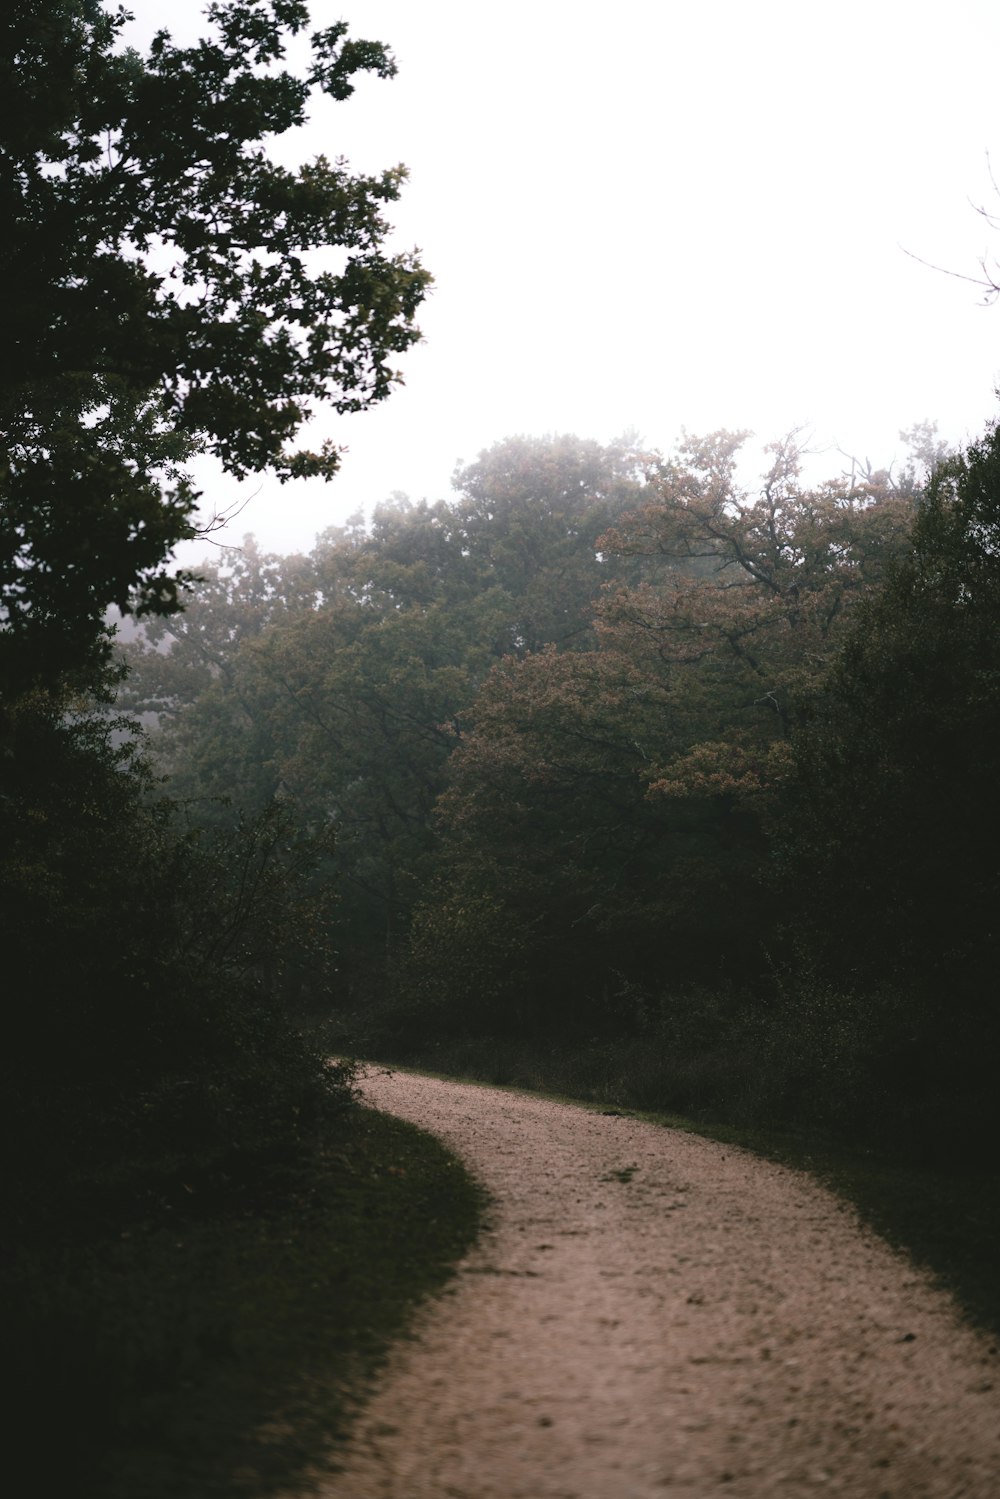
(652, 1314)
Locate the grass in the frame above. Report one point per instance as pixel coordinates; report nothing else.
(222, 1354)
(946, 1216)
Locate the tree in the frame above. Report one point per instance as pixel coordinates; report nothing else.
(341, 682)
(529, 515)
(173, 660)
(613, 805)
(744, 597)
(888, 852)
(336, 689)
(546, 834)
(164, 297)
(896, 760)
(167, 297)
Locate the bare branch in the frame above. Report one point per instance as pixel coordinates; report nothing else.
(992, 287)
(220, 520)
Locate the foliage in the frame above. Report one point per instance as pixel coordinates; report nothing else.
(529, 517)
(173, 291)
(617, 802)
(897, 819)
(168, 296)
(747, 597)
(137, 957)
(712, 826)
(341, 682)
(216, 1350)
(548, 815)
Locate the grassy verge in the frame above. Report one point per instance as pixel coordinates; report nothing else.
(946, 1215)
(204, 1353)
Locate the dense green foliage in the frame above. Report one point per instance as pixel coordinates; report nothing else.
(167, 296)
(615, 802)
(702, 837)
(611, 758)
(221, 1348)
(340, 683)
(166, 303)
(896, 825)
(139, 1025)
(156, 1096)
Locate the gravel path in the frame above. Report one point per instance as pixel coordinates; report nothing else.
(652, 1314)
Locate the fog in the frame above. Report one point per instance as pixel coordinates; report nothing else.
(664, 216)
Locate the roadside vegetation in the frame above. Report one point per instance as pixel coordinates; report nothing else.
(221, 1344)
(652, 788)
(648, 783)
(206, 1242)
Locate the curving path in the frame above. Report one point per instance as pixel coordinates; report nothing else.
(651, 1315)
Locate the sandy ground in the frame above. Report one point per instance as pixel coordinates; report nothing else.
(653, 1314)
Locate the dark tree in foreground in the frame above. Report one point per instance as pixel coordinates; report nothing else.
(899, 760)
(892, 849)
(163, 296)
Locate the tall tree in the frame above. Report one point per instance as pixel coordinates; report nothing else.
(167, 297)
(888, 851)
(897, 761)
(529, 515)
(168, 301)
(746, 591)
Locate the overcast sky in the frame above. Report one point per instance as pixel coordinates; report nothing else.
(661, 214)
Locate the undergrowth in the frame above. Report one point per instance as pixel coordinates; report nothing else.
(213, 1351)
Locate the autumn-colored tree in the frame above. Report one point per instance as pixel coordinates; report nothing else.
(548, 832)
(745, 597)
(616, 802)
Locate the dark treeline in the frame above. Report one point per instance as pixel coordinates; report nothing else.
(137, 948)
(191, 1193)
(684, 786)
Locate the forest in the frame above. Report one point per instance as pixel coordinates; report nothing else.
(612, 772)
(683, 787)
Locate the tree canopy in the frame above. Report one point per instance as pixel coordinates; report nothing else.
(166, 295)
(897, 758)
(551, 717)
(342, 682)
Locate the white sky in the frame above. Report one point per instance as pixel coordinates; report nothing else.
(658, 214)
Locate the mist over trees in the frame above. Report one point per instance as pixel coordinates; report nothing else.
(604, 734)
(601, 746)
(343, 687)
